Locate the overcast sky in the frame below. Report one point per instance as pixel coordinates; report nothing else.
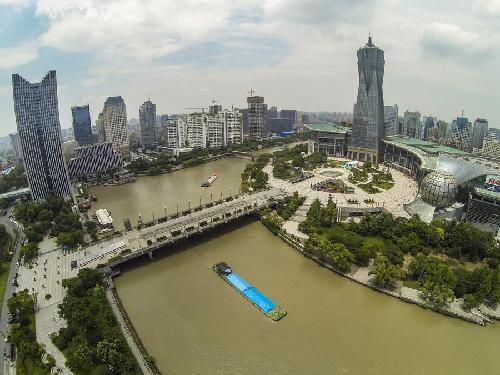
(441, 56)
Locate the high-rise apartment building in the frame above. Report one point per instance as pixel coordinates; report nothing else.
(37, 117)
(82, 126)
(114, 122)
(15, 143)
(147, 121)
(257, 114)
(176, 131)
(197, 124)
(391, 119)
(233, 126)
(213, 130)
(368, 122)
(479, 131)
(412, 124)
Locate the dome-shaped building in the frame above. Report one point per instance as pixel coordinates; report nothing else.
(439, 188)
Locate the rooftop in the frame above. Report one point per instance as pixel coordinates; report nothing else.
(463, 165)
(328, 127)
(103, 217)
(488, 193)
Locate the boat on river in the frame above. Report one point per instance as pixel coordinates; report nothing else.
(209, 181)
(273, 311)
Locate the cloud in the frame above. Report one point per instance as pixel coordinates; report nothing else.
(319, 12)
(444, 40)
(22, 54)
(15, 3)
(138, 30)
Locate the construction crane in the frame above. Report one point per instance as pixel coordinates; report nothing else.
(202, 108)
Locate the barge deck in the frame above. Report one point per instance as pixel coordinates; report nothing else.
(263, 303)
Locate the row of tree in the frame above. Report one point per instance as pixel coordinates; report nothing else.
(52, 216)
(31, 356)
(92, 342)
(386, 239)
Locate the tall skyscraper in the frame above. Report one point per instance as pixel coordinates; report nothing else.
(82, 126)
(257, 114)
(412, 124)
(147, 121)
(37, 116)
(114, 122)
(479, 131)
(15, 142)
(368, 121)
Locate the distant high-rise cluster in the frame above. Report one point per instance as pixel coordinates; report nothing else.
(37, 116)
(368, 123)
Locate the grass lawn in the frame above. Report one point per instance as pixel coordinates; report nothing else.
(4, 274)
(386, 185)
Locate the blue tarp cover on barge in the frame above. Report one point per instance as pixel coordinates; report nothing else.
(261, 301)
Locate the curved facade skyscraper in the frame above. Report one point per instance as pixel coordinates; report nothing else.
(368, 121)
(37, 116)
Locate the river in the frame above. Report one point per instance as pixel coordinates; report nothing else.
(192, 322)
(151, 194)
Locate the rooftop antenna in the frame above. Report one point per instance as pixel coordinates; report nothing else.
(462, 113)
(251, 92)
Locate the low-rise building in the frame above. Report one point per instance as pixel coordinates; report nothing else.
(93, 160)
(329, 138)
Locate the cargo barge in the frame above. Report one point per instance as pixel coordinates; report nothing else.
(209, 181)
(273, 311)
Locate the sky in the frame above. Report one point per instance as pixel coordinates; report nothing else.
(442, 57)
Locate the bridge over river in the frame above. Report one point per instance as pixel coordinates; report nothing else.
(152, 236)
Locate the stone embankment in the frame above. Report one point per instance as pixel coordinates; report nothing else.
(133, 340)
(481, 315)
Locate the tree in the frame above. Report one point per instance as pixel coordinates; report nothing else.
(340, 257)
(470, 301)
(385, 273)
(29, 252)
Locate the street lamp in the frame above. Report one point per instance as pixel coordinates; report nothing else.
(230, 191)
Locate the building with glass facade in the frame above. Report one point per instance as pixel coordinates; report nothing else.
(368, 122)
(37, 117)
(479, 132)
(147, 122)
(82, 126)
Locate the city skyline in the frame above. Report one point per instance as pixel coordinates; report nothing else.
(315, 54)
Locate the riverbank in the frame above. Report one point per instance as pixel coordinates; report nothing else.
(134, 342)
(481, 315)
